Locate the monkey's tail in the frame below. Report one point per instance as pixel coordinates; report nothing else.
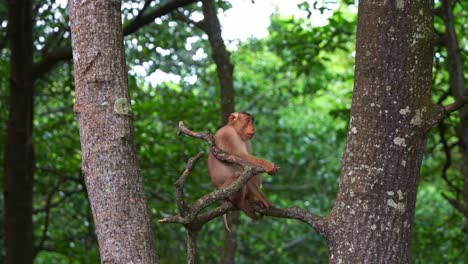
(226, 223)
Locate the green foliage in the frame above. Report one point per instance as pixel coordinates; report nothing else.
(297, 82)
(439, 226)
(63, 220)
(306, 47)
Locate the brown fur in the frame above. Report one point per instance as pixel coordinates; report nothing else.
(234, 138)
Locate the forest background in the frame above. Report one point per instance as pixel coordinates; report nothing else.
(296, 80)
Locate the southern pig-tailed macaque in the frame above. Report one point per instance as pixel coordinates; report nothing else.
(234, 138)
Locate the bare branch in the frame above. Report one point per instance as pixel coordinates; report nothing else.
(162, 10)
(50, 60)
(320, 224)
(145, 6)
(181, 182)
(225, 207)
(190, 216)
(445, 111)
(182, 17)
(193, 220)
(458, 205)
(454, 106)
(217, 195)
(448, 159)
(200, 135)
(64, 54)
(46, 220)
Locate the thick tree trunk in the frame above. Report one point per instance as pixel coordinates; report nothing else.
(19, 152)
(103, 109)
(390, 119)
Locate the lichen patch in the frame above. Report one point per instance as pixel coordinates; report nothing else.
(400, 4)
(403, 163)
(400, 195)
(417, 119)
(122, 106)
(401, 207)
(405, 111)
(399, 141)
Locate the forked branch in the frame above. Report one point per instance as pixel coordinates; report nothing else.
(191, 215)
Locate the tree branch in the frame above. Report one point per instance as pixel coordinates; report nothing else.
(145, 6)
(181, 182)
(44, 236)
(162, 10)
(458, 205)
(320, 224)
(448, 158)
(459, 103)
(64, 54)
(455, 62)
(193, 220)
(182, 17)
(444, 111)
(51, 59)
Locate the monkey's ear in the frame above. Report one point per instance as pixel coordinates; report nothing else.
(233, 117)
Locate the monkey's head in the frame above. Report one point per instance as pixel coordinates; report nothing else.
(243, 123)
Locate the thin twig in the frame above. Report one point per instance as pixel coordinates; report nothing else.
(179, 185)
(458, 205)
(448, 159)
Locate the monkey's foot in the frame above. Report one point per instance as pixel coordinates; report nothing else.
(264, 204)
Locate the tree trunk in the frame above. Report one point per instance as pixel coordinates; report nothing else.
(457, 89)
(463, 135)
(225, 70)
(19, 152)
(103, 109)
(221, 57)
(228, 254)
(390, 119)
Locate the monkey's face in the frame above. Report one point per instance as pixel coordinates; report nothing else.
(243, 123)
(248, 128)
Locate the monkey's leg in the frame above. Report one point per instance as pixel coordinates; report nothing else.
(258, 195)
(243, 204)
(229, 180)
(240, 198)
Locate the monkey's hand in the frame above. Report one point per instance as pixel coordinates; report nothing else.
(270, 168)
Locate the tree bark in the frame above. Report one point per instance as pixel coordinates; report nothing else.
(391, 115)
(221, 57)
(19, 151)
(103, 109)
(228, 253)
(225, 71)
(457, 89)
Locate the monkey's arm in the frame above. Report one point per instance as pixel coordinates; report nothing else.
(234, 145)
